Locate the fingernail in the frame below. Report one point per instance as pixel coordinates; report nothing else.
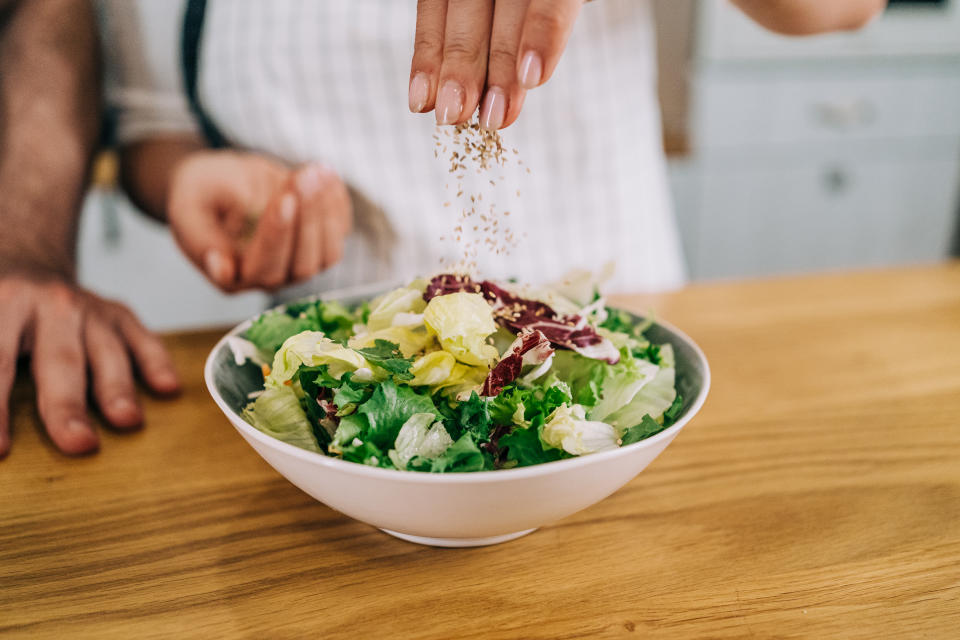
(77, 426)
(165, 381)
(494, 109)
(308, 179)
(288, 208)
(123, 406)
(419, 92)
(215, 265)
(531, 70)
(449, 102)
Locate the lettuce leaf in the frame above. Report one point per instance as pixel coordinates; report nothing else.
(388, 408)
(272, 329)
(568, 429)
(462, 456)
(278, 413)
(647, 427)
(621, 384)
(462, 321)
(386, 307)
(470, 416)
(653, 400)
(421, 436)
(524, 447)
(387, 356)
(348, 441)
(312, 348)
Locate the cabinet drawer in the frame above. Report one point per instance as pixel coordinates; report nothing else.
(733, 108)
(835, 211)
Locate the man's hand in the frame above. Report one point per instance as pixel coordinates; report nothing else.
(68, 331)
(465, 50)
(250, 222)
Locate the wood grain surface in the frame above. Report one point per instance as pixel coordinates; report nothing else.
(816, 496)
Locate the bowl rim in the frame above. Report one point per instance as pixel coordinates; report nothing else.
(495, 475)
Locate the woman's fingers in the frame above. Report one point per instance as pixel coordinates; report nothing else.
(504, 95)
(308, 246)
(60, 372)
(546, 29)
(470, 53)
(111, 374)
(427, 54)
(267, 259)
(466, 45)
(337, 223)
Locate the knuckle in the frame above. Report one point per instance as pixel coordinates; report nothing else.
(426, 45)
(51, 403)
(61, 296)
(462, 50)
(305, 270)
(272, 280)
(545, 22)
(502, 57)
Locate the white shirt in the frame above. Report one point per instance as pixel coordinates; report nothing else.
(327, 80)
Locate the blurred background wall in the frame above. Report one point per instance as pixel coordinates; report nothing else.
(785, 155)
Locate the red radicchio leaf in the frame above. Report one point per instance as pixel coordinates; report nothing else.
(516, 313)
(332, 420)
(530, 347)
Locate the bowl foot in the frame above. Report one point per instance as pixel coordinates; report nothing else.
(458, 542)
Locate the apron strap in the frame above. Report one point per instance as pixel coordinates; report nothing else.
(192, 38)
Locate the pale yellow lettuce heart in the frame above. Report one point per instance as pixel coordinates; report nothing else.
(462, 322)
(313, 348)
(410, 341)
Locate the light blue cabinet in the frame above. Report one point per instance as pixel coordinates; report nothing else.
(832, 152)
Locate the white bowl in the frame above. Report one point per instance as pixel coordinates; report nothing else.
(458, 509)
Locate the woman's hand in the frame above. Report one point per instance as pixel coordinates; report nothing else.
(248, 221)
(466, 50)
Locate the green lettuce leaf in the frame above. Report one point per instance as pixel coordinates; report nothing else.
(309, 392)
(524, 447)
(647, 427)
(653, 399)
(388, 408)
(670, 415)
(462, 456)
(538, 402)
(470, 416)
(271, 329)
(349, 442)
(388, 357)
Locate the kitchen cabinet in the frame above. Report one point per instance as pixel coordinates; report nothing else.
(816, 153)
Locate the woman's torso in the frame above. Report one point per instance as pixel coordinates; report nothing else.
(308, 80)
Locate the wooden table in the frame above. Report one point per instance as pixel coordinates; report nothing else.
(816, 496)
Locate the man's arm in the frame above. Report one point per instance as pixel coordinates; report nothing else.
(807, 17)
(49, 120)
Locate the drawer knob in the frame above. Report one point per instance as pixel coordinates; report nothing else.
(836, 180)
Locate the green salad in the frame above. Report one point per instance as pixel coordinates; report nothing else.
(453, 374)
